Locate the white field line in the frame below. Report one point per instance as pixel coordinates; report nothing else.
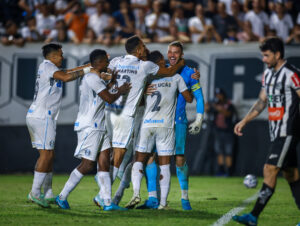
(227, 217)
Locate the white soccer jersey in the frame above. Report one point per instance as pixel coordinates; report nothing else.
(160, 106)
(91, 107)
(131, 69)
(283, 101)
(48, 93)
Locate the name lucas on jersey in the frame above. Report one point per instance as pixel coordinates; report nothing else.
(162, 84)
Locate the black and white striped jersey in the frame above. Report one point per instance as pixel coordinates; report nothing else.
(283, 101)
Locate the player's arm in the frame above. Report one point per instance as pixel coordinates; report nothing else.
(72, 74)
(195, 127)
(187, 96)
(170, 71)
(255, 110)
(110, 97)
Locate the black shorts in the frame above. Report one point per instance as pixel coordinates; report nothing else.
(283, 152)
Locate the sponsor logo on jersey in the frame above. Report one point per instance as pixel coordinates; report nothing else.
(153, 121)
(275, 113)
(275, 98)
(273, 156)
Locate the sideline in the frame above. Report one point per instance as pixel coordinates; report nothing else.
(227, 217)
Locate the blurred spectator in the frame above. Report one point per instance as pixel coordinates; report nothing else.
(224, 115)
(28, 7)
(174, 35)
(158, 22)
(30, 32)
(98, 21)
(61, 7)
(258, 18)
(90, 6)
(211, 9)
(281, 22)
(110, 34)
(10, 11)
(231, 36)
(294, 38)
(39, 3)
(228, 6)
(11, 35)
(90, 37)
(247, 35)
(180, 22)
(288, 4)
(197, 23)
(45, 22)
(61, 34)
(125, 19)
(186, 5)
(222, 21)
(77, 21)
(248, 5)
(209, 34)
(138, 5)
(238, 15)
(140, 26)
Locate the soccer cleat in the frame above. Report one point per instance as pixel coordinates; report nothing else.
(186, 204)
(63, 204)
(133, 202)
(247, 219)
(113, 207)
(161, 207)
(38, 200)
(298, 224)
(98, 201)
(151, 203)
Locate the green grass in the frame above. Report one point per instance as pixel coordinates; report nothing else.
(210, 197)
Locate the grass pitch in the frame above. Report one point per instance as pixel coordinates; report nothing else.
(211, 198)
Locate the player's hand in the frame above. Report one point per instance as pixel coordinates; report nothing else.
(181, 62)
(105, 76)
(125, 88)
(114, 75)
(239, 127)
(196, 75)
(150, 89)
(195, 127)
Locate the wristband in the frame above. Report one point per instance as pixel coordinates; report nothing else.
(86, 70)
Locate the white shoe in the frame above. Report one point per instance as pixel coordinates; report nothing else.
(161, 207)
(133, 202)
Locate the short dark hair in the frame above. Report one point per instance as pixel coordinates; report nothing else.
(132, 43)
(51, 47)
(274, 44)
(177, 44)
(155, 56)
(97, 54)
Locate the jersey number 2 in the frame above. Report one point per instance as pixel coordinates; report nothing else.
(158, 99)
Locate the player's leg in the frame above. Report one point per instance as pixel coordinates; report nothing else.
(228, 150)
(181, 165)
(118, 155)
(293, 178)
(164, 180)
(277, 158)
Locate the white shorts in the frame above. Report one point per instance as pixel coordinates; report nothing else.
(162, 138)
(90, 142)
(120, 128)
(42, 132)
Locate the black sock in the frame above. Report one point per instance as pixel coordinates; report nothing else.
(295, 187)
(264, 195)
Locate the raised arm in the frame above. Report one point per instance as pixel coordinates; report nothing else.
(255, 110)
(71, 74)
(170, 71)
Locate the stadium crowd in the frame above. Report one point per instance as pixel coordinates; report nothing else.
(112, 22)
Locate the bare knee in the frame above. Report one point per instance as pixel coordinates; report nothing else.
(291, 174)
(270, 175)
(104, 160)
(85, 166)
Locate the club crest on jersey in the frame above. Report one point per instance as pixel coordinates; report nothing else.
(275, 113)
(87, 152)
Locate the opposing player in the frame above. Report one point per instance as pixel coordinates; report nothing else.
(91, 131)
(42, 115)
(175, 52)
(120, 115)
(281, 92)
(158, 129)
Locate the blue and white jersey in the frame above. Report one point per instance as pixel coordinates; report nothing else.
(132, 70)
(91, 106)
(194, 86)
(47, 94)
(160, 106)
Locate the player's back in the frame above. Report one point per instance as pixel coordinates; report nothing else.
(132, 70)
(91, 106)
(160, 106)
(48, 93)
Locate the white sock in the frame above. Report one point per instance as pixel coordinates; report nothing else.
(114, 173)
(48, 186)
(72, 182)
(125, 180)
(152, 194)
(97, 179)
(164, 183)
(136, 177)
(105, 184)
(38, 180)
(185, 194)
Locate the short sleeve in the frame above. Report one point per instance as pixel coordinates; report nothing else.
(295, 81)
(51, 69)
(150, 68)
(113, 63)
(94, 82)
(180, 83)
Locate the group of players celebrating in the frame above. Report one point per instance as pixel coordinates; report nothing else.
(132, 114)
(129, 103)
